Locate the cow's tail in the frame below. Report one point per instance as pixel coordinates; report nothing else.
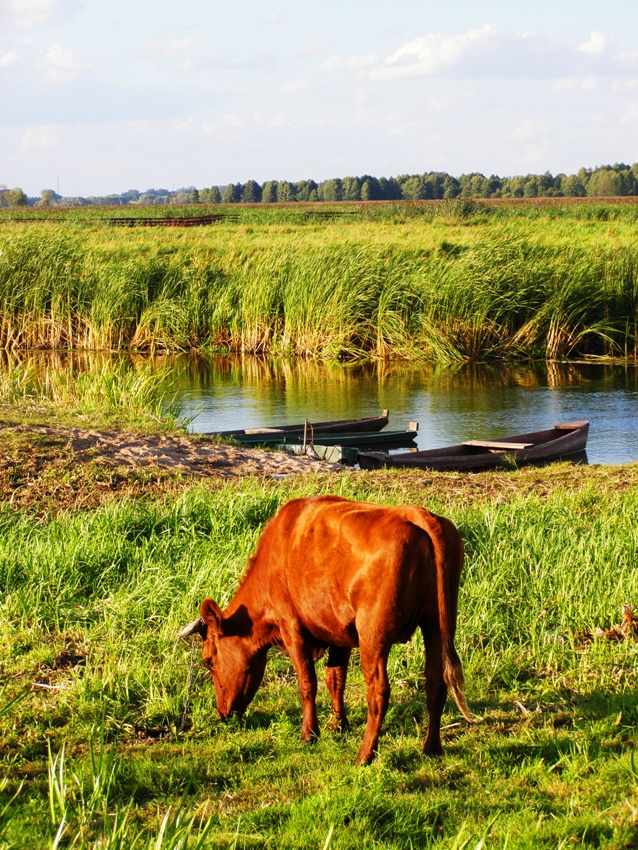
(448, 557)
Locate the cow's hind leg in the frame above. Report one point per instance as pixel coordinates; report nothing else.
(374, 666)
(301, 655)
(435, 691)
(336, 673)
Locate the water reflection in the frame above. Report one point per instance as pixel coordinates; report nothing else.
(451, 404)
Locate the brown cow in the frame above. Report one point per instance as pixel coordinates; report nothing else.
(333, 574)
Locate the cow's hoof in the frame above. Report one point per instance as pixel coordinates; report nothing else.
(337, 724)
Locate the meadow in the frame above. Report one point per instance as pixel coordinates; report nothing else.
(109, 736)
(105, 745)
(438, 281)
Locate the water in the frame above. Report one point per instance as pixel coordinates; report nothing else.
(450, 404)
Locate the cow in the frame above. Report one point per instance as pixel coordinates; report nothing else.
(333, 574)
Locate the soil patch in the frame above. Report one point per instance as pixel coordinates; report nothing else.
(56, 467)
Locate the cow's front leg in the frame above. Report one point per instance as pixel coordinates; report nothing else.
(336, 673)
(300, 653)
(374, 666)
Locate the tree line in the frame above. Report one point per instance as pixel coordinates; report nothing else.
(606, 180)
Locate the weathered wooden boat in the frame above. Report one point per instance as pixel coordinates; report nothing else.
(360, 439)
(278, 433)
(561, 441)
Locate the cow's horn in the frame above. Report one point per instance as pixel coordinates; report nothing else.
(198, 626)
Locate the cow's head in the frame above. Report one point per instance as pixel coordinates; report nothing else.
(236, 665)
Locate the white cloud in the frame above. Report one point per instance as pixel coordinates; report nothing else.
(597, 45)
(27, 14)
(8, 57)
(294, 86)
(430, 54)
(61, 65)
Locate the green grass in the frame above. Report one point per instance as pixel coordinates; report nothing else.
(104, 390)
(93, 754)
(435, 281)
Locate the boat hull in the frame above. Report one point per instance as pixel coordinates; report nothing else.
(278, 433)
(562, 441)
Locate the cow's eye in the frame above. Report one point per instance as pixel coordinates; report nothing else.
(208, 662)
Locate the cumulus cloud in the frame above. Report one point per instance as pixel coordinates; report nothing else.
(61, 64)
(597, 44)
(430, 54)
(28, 14)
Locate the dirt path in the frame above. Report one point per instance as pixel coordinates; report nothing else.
(55, 466)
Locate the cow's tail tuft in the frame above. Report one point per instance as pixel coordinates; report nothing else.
(453, 676)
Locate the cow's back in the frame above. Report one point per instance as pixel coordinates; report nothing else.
(336, 564)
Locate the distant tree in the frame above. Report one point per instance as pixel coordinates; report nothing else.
(330, 190)
(210, 196)
(351, 189)
(304, 190)
(474, 185)
(251, 193)
(194, 196)
(17, 198)
(48, 198)
(413, 188)
(604, 182)
(285, 192)
(269, 192)
(232, 193)
(389, 189)
(451, 187)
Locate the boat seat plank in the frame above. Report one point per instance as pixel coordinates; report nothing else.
(497, 444)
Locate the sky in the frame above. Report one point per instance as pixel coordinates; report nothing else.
(99, 97)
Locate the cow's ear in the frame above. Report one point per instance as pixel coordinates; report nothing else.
(211, 614)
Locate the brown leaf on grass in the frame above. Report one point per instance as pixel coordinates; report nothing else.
(628, 628)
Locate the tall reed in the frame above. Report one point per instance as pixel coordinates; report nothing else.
(442, 289)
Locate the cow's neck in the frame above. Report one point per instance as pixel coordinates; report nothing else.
(247, 614)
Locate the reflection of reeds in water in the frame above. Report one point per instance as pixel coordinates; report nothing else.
(336, 295)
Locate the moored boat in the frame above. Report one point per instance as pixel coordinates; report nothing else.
(279, 433)
(561, 441)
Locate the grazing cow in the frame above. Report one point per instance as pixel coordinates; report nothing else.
(333, 574)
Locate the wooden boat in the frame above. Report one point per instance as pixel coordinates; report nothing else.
(278, 433)
(561, 441)
(361, 439)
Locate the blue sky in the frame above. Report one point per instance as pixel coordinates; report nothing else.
(123, 94)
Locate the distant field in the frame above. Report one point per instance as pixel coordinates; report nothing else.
(438, 280)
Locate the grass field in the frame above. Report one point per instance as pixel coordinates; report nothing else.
(440, 281)
(99, 747)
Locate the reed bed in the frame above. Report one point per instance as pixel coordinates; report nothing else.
(454, 286)
(98, 749)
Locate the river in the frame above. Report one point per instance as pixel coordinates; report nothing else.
(450, 404)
